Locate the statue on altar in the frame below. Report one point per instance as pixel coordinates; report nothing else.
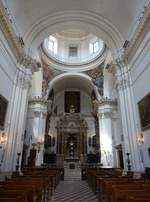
(72, 109)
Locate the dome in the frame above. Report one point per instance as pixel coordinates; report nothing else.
(73, 47)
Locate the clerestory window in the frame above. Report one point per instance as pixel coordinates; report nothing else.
(94, 47)
(52, 44)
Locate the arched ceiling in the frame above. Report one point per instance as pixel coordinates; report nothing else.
(72, 81)
(73, 34)
(120, 13)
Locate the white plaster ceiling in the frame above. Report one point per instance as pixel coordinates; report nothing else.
(122, 14)
(74, 33)
(73, 82)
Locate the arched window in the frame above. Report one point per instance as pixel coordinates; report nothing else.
(52, 44)
(94, 47)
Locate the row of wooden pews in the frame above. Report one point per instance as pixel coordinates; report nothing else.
(111, 186)
(36, 185)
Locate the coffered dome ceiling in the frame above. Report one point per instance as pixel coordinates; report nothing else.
(119, 15)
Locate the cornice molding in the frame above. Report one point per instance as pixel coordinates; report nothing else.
(14, 43)
(139, 34)
(64, 66)
(11, 37)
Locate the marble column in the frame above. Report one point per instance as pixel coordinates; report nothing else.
(106, 108)
(36, 121)
(128, 115)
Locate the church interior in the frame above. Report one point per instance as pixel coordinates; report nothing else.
(74, 101)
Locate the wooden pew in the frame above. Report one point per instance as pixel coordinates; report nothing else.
(15, 195)
(11, 200)
(114, 189)
(132, 189)
(36, 185)
(107, 181)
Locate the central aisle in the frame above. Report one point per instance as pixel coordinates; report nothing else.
(73, 189)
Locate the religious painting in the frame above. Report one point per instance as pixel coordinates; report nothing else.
(99, 83)
(97, 78)
(3, 110)
(72, 101)
(144, 111)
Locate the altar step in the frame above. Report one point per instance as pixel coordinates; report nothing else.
(72, 174)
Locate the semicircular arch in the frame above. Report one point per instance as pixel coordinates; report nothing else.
(84, 20)
(72, 80)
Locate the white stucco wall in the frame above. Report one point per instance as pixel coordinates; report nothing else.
(140, 74)
(7, 68)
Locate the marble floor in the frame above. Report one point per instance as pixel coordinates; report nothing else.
(73, 189)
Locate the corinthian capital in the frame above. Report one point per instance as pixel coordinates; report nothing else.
(30, 63)
(107, 101)
(40, 101)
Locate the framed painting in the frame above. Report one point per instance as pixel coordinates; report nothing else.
(72, 99)
(3, 111)
(144, 111)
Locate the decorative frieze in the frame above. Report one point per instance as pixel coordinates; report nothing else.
(40, 101)
(105, 107)
(72, 121)
(39, 111)
(105, 101)
(139, 34)
(30, 63)
(11, 37)
(15, 43)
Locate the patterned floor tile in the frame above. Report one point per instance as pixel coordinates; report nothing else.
(73, 189)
